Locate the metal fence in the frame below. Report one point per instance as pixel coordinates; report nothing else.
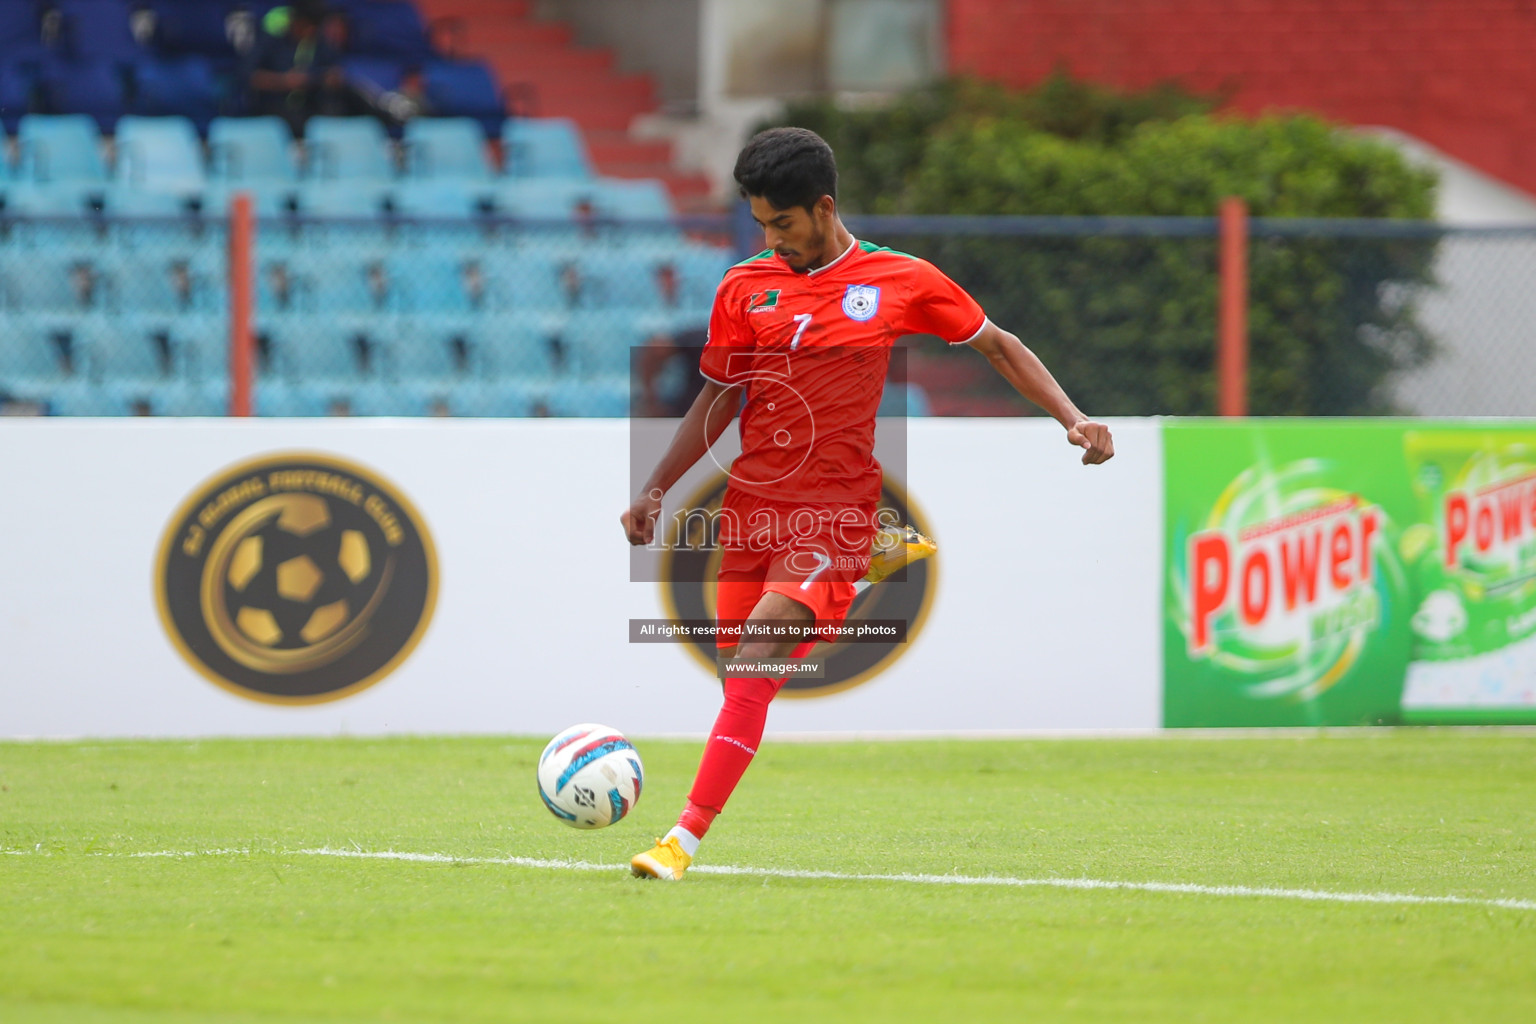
(495, 317)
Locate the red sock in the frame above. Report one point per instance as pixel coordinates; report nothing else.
(732, 744)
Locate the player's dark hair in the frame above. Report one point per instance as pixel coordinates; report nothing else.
(788, 167)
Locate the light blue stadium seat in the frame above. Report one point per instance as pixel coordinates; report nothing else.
(535, 280)
(46, 349)
(60, 148)
(520, 349)
(59, 282)
(430, 349)
(199, 346)
(347, 149)
(344, 199)
(320, 347)
(451, 148)
(599, 342)
(544, 147)
(501, 398)
(442, 199)
(545, 199)
(640, 200)
(159, 154)
(60, 170)
(603, 396)
(192, 399)
(131, 349)
(251, 154)
(620, 279)
(276, 397)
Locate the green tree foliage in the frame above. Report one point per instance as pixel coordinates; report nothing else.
(1128, 321)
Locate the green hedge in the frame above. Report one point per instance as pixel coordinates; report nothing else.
(1129, 323)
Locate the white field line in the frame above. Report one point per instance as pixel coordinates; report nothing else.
(1180, 888)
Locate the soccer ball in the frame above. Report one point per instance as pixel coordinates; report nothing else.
(589, 776)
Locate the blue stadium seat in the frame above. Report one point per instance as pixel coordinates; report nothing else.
(58, 149)
(344, 199)
(501, 398)
(134, 349)
(276, 397)
(17, 86)
(463, 89)
(452, 148)
(44, 349)
(545, 199)
(641, 200)
(316, 347)
(184, 86)
(159, 167)
(251, 154)
(599, 342)
(98, 30)
(530, 281)
(199, 345)
(518, 350)
(251, 151)
(545, 147)
(429, 349)
(600, 397)
(374, 74)
(619, 279)
(387, 28)
(192, 399)
(347, 149)
(20, 31)
(442, 199)
(93, 87)
(192, 26)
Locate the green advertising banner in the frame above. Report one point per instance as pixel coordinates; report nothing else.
(1349, 572)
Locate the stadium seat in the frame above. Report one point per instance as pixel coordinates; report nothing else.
(158, 159)
(599, 342)
(45, 349)
(251, 151)
(311, 347)
(518, 350)
(531, 281)
(643, 200)
(601, 397)
(374, 74)
(345, 199)
(463, 89)
(98, 30)
(545, 199)
(445, 148)
(17, 88)
(276, 397)
(387, 28)
(185, 86)
(347, 149)
(548, 147)
(135, 349)
(192, 26)
(442, 199)
(92, 87)
(59, 149)
(251, 154)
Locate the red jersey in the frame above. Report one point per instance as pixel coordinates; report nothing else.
(812, 350)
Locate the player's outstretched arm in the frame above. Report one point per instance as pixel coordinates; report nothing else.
(1023, 369)
(707, 418)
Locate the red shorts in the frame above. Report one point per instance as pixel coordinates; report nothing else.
(812, 553)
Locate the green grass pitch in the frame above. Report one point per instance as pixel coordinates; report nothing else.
(254, 930)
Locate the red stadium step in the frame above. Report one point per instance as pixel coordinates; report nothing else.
(545, 74)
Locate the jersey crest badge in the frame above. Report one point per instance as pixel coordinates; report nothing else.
(861, 301)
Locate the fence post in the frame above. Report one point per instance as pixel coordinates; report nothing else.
(242, 283)
(1232, 316)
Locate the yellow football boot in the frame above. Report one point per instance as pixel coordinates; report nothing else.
(664, 860)
(897, 546)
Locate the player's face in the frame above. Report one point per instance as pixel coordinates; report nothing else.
(798, 235)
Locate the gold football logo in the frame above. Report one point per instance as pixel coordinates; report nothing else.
(296, 579)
